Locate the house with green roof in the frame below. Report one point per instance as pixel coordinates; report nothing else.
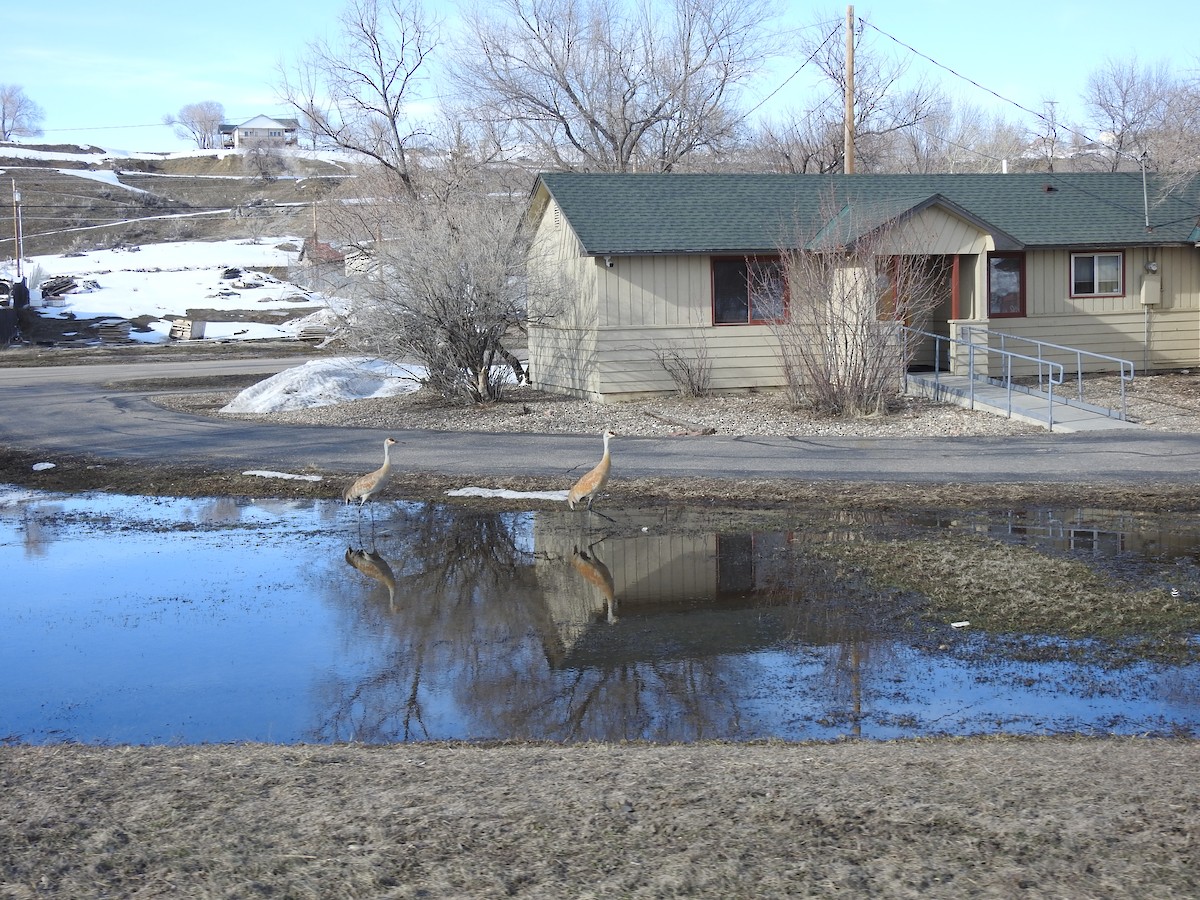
(1104, 262)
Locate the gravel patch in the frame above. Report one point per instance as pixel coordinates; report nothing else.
(1169, 402)
(525, 410)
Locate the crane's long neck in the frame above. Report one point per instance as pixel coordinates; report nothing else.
(387, 458)
(606, 437)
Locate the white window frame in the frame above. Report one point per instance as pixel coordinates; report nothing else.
(1095, 260)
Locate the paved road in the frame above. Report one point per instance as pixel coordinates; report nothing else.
(69, 409)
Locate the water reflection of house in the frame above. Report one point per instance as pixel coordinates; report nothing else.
(1096, 532)
(672, 593)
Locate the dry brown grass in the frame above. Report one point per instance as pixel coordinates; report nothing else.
(1006, 588)
(954, 818)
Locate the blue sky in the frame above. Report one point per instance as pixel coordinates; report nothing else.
(106, 74)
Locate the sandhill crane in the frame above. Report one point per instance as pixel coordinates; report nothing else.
(594, 481)
(371, 564)
(366, 487)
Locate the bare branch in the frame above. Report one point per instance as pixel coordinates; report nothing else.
(597, 85)
(200, 122)
(357, 94)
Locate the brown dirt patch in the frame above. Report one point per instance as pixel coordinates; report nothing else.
(945, 818)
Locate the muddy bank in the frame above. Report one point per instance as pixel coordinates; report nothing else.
(83, 473)
(992, 817)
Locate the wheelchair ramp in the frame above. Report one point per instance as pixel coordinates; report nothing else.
(1025, 406)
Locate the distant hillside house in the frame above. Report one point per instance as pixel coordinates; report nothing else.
(260, 131)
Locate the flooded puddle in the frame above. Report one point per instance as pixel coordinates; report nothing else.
(144, 620)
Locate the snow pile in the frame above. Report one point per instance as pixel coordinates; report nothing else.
(324, 382)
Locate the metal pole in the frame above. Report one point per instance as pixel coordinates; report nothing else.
(1145, 196)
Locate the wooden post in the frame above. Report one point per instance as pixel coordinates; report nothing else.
(848, 151)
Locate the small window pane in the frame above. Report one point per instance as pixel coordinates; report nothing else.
(730, 297)
(1085, 276)
(1108, 274)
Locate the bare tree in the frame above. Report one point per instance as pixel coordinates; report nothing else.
(811, 140)
(446, 286)
(1126, 102)
(839, 329)
(356, 92)
(1144, 115)
(953, 138)
(200, 122)
(19, 116)
(611, 86)
(265, 160)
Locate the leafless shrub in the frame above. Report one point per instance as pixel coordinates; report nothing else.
(840, 336)
(447, 287)
(688, 365)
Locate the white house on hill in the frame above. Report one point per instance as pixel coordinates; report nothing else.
(260, 131)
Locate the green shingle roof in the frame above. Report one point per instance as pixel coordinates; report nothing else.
(644, 214)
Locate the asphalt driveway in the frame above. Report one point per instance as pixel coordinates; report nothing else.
(68, 409)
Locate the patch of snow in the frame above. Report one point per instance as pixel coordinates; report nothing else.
(324, 382)
(503, 494)
(108, 176)
(266, 473)
(13, 496)
(43, 466)
(167, 280)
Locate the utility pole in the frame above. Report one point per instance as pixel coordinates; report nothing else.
(848, 151)
(18, 244)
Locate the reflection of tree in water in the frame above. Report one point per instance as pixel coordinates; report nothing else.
(856, 624)
(464, 585)
(36, 536)
(653, 700)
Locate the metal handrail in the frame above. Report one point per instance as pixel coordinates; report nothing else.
(1050, 373)
(1124, 366)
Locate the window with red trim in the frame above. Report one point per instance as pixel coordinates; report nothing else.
(748, 290)
(1006, 284)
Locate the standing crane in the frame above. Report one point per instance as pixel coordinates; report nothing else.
(367, 486)
(594, 481)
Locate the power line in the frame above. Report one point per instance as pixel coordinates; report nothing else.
(787, 80)
(1055, 126)
(973, 82)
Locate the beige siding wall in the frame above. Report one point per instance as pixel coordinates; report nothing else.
(1048, 289)
(562, 353)
(934, 232)
(740, 358)
(655, 291)
(647, 304)
(1165, 336)
(1165, 339)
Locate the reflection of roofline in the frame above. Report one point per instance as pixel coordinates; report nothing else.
(722, 627)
